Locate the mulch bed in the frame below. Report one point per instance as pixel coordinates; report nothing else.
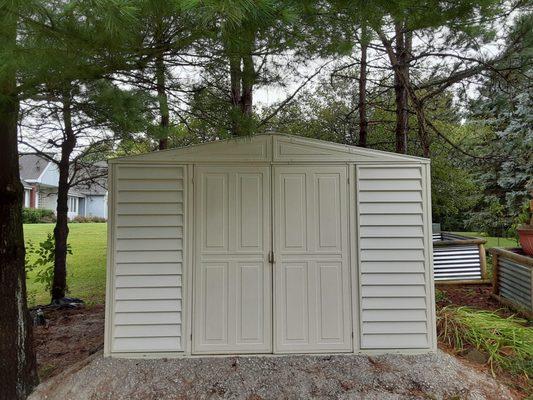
(475, 296)
(68, 337)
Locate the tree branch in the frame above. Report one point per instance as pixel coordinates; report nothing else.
(291, 97)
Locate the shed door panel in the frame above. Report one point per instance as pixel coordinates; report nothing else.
(312, 277)
(232, 277)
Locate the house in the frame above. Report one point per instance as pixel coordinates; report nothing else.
(269, 244)
(40, 179)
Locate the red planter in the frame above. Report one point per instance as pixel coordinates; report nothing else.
(525, 233)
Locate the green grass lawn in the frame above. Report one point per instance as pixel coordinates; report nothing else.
(85, 266)
(492, 241)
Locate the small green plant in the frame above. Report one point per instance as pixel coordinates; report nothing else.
(32, 296)
(440, 296)
(507, 342)
(41, 259)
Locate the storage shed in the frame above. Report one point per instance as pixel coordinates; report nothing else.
(269, 244)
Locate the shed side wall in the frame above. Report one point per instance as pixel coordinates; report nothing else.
(394, 263)
(147, 258)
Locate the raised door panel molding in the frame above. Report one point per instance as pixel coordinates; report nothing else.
(214, 196)
(249, 211)
(292, 212)
(295, 300)
(329, 202)
(330, 295)
(250, 303)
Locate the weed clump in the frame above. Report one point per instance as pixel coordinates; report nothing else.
(507, 342)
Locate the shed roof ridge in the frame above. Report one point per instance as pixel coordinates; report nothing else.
(333, 146)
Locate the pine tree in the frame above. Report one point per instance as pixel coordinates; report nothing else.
(242, 39)
(445, 29)
(502, 114)
(75, 121)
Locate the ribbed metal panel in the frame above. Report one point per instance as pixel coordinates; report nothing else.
(514, 282)
(456, 262)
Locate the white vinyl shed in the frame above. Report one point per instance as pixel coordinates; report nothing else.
(269, 244)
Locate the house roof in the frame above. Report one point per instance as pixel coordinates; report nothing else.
(31, 166)
(271, 148)
(93, 179)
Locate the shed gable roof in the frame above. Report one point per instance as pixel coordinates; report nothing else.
(270, 147)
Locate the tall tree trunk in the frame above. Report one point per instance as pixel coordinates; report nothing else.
(247, 84)
(235, 92)
(400, 89)
(420, 115)
(363, 120)
(248, 80)
(418, 104)
(242, 80)
(18, 369)
(59, 284)
(422, 134)
(163, 100)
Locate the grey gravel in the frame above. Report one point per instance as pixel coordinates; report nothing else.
(383, 377)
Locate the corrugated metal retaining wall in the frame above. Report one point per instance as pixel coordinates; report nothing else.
(513, 277)
(514, 281)
(457, 258)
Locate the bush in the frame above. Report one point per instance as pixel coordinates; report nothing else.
(81, 220)
(37, 216)
(41, 259)
(506, 341)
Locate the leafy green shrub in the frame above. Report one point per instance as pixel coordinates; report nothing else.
(507, 342)
(37, 216)
(41, 259)
(81, 220)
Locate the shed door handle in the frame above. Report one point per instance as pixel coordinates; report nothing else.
(271, 257)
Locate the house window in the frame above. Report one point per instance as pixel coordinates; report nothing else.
(73, 204)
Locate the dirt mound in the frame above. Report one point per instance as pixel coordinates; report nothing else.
(435, 376)
(68, 337)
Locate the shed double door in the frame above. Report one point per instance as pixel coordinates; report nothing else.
(271, 269)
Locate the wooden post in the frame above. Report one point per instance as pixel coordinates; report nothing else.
(531, 210)
(532, 289)
(495, 268)
(483, 261)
